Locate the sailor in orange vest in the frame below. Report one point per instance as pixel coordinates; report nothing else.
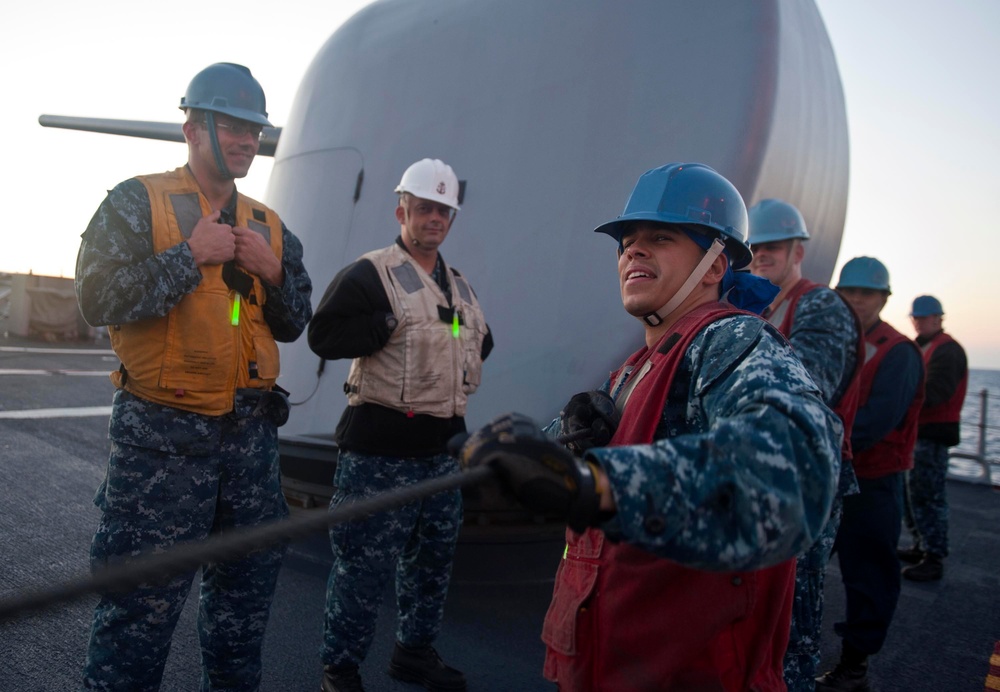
(937, 430)
(826, 336)
(885, 429)
(196, 283)
(715, 463)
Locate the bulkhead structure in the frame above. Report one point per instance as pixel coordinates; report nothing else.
(549, 112)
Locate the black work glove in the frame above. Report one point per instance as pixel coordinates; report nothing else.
(541, 473)
(594, 411)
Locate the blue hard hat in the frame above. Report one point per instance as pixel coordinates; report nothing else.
(924, 306)
(864, 272)
(772, 220)
(227, 88)
(691, 195)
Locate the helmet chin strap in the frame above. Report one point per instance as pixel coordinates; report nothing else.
(216, 149)
(654, 319)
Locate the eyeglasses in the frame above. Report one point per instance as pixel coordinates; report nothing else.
(240, 129)
(426, 208)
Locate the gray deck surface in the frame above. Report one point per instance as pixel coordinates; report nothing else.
(941, 638)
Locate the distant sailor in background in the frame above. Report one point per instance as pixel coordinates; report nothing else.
(938, 429)
(885, 430)
(196, 282)
(827, 337)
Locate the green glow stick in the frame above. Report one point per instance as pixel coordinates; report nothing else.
(235, 320)
(454, 325)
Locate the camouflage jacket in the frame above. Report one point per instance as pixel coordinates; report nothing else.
(745, 459)
(824, 338)
(120, 279)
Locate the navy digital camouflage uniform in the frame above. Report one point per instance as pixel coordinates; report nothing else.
(419, 537)
(926, 499)
(175, 475)
(925, 503)
(824, 336)
(743, 421)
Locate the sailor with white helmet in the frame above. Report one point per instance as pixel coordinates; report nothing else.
(417, 336)
(826, 336)
(714, 463)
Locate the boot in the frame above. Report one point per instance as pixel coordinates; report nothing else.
(931, 568)
(344, 678)
(850, 675)
(910, 555)
(424, 666)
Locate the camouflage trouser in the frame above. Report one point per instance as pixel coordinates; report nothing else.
(803, 654)
(172, 478)
(927, 502)
(417, 541)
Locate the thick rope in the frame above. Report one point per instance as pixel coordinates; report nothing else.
(128, 574)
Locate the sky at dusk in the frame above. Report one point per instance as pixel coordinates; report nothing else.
(919, 79)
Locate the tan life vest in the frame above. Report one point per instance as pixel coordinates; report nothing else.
(195, 358)
(424, 368)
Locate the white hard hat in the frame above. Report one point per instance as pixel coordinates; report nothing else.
(431, 179)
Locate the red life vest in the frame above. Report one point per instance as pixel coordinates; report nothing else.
(624, 619)
(847, 406)
(950, 411)
(894, 452)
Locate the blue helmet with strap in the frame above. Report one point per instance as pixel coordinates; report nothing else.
(690, 195)
(864, 272)
(925, 306)
(773, 220)
(229, 89)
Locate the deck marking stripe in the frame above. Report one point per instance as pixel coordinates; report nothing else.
(59, 351)
(43, 373)
(79, 412)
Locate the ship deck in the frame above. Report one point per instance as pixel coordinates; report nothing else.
(941, 639)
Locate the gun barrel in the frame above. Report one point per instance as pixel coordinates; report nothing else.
(146, 129)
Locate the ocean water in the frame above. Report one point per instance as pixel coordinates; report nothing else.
(979, 381)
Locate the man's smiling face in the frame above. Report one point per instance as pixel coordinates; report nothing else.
(655, 262)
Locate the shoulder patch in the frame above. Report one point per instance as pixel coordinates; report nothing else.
(187, 209)
(261, 228)
(463, 289)
(407, 277)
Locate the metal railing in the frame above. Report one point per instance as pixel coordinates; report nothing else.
(980, 457)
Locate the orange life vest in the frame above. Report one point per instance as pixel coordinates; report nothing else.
(195, 358)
